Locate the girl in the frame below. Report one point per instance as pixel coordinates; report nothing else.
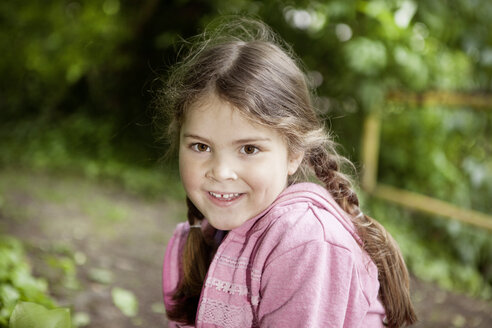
(262, 247)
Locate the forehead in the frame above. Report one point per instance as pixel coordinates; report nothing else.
(210, 113)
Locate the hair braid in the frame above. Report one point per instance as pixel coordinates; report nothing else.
(327, 169)
(196, 259)
(377, 242)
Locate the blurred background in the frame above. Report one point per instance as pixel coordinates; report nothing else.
(87, 204)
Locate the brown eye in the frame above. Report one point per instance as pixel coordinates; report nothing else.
(199, 147)
(249, 150)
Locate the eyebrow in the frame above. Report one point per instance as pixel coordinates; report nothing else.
(250, 140)
(239, 141)
(194, 136)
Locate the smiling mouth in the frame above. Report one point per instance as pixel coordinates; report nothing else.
(224, 197)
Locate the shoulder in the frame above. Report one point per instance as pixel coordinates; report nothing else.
(181, 230)
(310, 228)
(176, 244)
(305, 221)
(171, 271)
(316, 238)
(177, 240)
(305, 225)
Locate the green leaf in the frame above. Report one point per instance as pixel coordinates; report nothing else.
(125, 300)
(8, 295)
(366, 56)
(32, 315)
(81, 319)
(101, 276)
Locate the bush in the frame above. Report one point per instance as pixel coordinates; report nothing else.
(16, 281)
(84, 145)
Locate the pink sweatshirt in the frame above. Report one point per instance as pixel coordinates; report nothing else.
(296, 264)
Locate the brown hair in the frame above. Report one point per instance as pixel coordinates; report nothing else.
(256, 73)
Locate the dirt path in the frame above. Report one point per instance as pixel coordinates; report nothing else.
(88, 238)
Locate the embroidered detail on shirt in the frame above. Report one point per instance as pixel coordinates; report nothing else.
(241, 262)
(226, 286)
(238, 263)
(255, 275)
(224, 315)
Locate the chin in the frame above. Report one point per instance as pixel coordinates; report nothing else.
(224, 224)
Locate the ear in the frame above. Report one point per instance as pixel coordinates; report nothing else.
(294, 162)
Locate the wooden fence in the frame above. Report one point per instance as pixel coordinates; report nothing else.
(370, 156)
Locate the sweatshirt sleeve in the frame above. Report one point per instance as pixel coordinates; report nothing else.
(172, 271)
(312, 285)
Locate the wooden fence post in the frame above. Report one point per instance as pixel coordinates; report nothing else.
(370, 150)
(370, 155)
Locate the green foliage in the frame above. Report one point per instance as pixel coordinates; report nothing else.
(444, 153)
(81, 319)
(366, 56)
(66, 270)
(49, 46)
(430, 252)
(16, 281)
(405, 44)
(125, 300)
(101, 276)
(31, 315)
(71, 56)
(79, 144)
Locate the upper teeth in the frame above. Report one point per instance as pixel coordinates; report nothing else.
(225, 196)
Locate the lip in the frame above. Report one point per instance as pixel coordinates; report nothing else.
(225, 202)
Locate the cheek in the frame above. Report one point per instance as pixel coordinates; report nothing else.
(187, 171)
(267, 176)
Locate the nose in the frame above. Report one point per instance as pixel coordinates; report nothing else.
(221, 168)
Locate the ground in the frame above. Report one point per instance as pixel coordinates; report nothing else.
(87, 238)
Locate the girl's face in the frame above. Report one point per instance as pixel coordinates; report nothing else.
(231, 168)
